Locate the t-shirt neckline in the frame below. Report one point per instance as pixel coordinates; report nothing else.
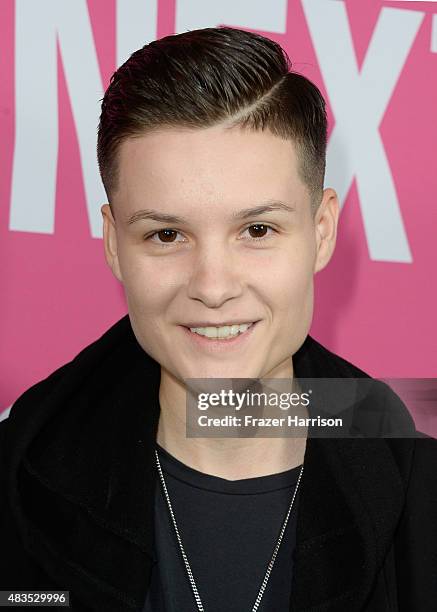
(256, 485)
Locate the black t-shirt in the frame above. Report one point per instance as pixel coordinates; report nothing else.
(229, 530)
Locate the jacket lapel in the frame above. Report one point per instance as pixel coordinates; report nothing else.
(351, 499)
(86, 493)
(350, 502)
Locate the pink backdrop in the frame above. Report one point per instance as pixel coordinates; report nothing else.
(376, 63)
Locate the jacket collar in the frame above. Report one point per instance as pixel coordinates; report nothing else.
(84, 500)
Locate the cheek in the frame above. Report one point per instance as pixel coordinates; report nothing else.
(147, 289)
(290, 293)
(297, 296)
(291, 277)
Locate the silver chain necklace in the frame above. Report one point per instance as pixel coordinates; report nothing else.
(184, 556)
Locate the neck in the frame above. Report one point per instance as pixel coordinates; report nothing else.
(229, 458)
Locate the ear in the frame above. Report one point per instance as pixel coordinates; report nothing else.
(110, 241)
(325, 224)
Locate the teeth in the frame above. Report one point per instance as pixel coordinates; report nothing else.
(228, 331)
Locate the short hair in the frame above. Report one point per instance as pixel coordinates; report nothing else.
(212, 76)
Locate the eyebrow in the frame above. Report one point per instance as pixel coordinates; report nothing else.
(265, 207)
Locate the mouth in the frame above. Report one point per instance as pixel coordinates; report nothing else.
(220, 344)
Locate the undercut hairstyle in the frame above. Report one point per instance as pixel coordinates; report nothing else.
(214, 76)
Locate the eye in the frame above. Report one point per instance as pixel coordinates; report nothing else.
(259, 227)
(165, 237)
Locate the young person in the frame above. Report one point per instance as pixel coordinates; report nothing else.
(212, 153)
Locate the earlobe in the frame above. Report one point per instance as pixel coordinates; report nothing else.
(110, 241)
(326, 222)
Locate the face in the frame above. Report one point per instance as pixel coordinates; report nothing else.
(214, 263)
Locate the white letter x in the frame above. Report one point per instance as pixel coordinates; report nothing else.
(359, 101)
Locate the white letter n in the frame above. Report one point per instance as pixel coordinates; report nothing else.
(38, 24)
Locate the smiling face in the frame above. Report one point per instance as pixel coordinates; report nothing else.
(214, 263)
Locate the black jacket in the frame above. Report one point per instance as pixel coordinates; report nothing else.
(77, 481)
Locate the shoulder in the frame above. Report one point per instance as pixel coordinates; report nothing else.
(3, 472)
(313, 359)
(93, 364)
(417, 462)
(425, 460)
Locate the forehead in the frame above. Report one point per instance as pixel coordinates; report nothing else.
(216, 163)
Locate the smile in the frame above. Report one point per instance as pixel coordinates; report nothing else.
(221, 333)
(208, 339)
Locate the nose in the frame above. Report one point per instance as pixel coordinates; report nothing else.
(215, 276)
